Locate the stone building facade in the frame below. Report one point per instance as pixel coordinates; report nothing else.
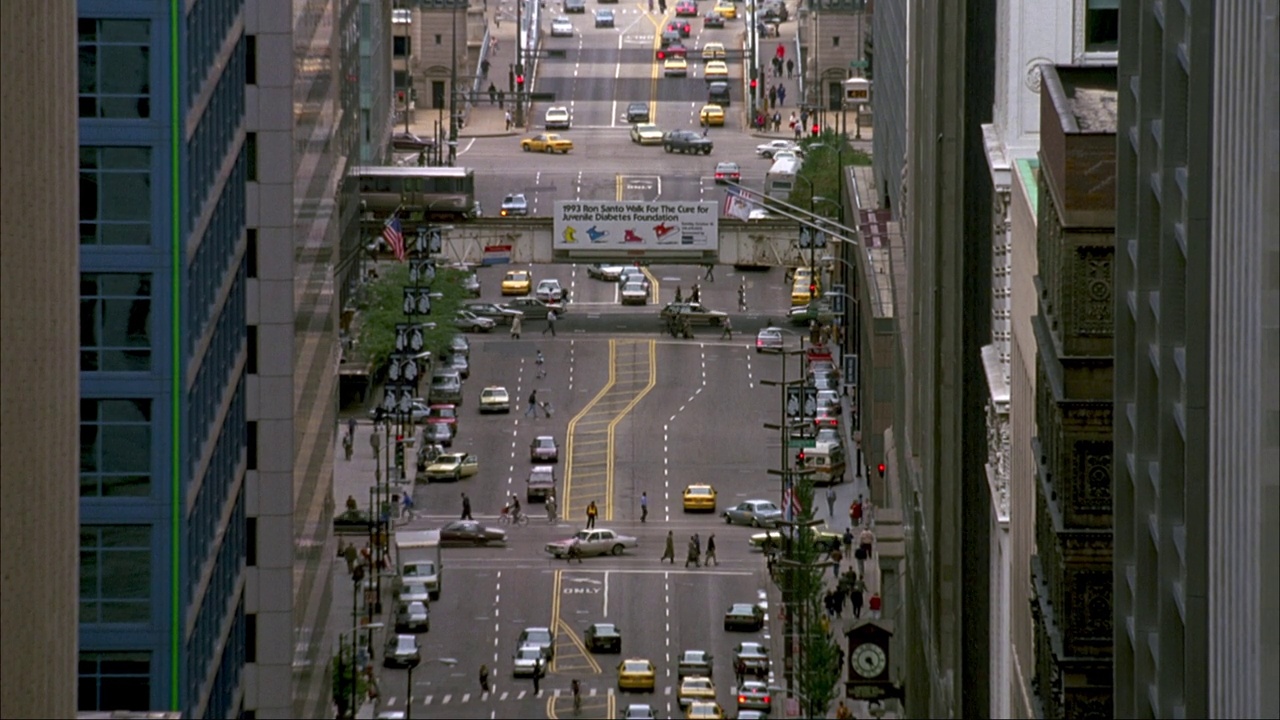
(1074, 329)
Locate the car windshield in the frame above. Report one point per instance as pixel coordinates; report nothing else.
(546, 442)
(406, 644)
(742, 609)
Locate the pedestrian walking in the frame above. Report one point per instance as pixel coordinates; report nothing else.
(782, 94)
(406, 507)
(466, 508)
(532, 410)
(777, 117)
(865, 539)
(375, 441)
(710, 274)
(540, 361)
(781, 52)
(484, 70)
(693, 555)
(484, 678)
(791, 67)
(348, 446)
(855, 512)
(856, 599)
(739, 670)
(644, 506)
(727, 332)
(592, 511)
(773, 95)
(508, 118)
(848, 540)
(350, 554)
(517, 324)
(696, 295)
(796, 131)
(836, 557)
(831, 502)
(711, 551)
(493, 94)
(669, 552)
(679, 296)
(537, 677)
(351, 427)
(874, 605)
(551, 323)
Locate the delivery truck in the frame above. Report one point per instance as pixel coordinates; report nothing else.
(418, 556)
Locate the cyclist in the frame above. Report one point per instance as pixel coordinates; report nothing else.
(514, 507)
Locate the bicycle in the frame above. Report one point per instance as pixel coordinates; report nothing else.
(509, 518)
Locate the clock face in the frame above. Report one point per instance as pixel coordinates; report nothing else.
(869, 660)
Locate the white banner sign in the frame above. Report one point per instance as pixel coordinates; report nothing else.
(596, 225)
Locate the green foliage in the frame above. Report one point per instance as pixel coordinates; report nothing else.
(818, 669)
(344, 673)
(820, 171)
(383, 308)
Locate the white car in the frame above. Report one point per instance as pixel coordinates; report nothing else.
(604, 271)
(561, 27)
(593, 542)
(526, 661)
(557, 118)
(769, 149)
(515, 204)
(549, 290)
(770, 337)
(635, 293)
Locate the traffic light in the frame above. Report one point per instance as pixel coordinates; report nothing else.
(662, 54)
(814, 130)
(880, 468)
(520, 84)
(753, 84)
(399, 451)
(400, 97)
(813, 289)
(800, 459)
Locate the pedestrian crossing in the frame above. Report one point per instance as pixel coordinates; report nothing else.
(499, 696)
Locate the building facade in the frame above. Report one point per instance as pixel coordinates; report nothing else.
(377, 111)
(39, 394)
(834, 34)
(935, 447)
(1028, 35)
(1071, 570)
(1196, 504)
(164, 162)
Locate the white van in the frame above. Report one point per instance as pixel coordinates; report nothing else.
(781, 178)
(828, 463)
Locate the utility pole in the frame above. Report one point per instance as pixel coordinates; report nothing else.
(519, 89)
(453, 86)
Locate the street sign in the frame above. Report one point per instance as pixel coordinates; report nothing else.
(851, 369)
(859, 64)
(837, 299)
(802, 401)
(801, 443)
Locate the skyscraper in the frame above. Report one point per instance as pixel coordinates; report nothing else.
(1197, 440)
(38, 499)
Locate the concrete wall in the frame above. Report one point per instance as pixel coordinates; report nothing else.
(39, 367)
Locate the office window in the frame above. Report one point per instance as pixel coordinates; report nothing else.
(251, 252)
(115, 681)
(401, 46)
(439, 39)
(251, 343)
(115, 195)
(251, 156)
(115, 322)
(251, 59)
(1102, 25)
(115, 573)
(115, 447)
(115, 68)
(835, 41)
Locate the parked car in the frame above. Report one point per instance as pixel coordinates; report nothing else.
(413, 617)
(352, 522)
(401, 651)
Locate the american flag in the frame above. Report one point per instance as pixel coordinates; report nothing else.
(736, 204)
(790, 504)
(394, 236)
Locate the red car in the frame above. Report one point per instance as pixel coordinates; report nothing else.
(444, 415)
(686, 8)
(681, 27)
(673, 50)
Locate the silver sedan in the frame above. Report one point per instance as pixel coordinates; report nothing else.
(756, 513)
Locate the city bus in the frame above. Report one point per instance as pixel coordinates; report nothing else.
(781, 178)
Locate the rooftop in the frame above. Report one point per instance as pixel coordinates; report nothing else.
(1086, 95)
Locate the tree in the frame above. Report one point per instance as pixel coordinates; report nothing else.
(818, 667)
(824, 157)
(344, 674)
(383, 308)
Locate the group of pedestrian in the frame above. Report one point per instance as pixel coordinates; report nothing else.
(694, 555)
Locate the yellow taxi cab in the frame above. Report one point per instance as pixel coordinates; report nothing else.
(636, 674)
(800, 293)
(705, 711)
(715, 70)
(711, 114)
(803, 273)
(696, 688)
(517, 282)
(546, 142)
(713, 51)
(726, 9)
(675, 65)
(699, 496)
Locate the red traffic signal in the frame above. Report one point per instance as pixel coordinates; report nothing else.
(520, 83)
(753, 83)
(800, 458)
(662, 55)
(814, 130)
(880, 467)
(400, 96)
(813, 289)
